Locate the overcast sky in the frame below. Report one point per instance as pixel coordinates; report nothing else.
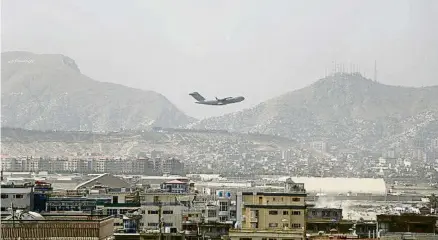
(258, 49)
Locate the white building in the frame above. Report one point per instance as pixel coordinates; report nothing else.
(334, 186)
(18, 196)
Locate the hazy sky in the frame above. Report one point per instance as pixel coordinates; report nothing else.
(259, 49)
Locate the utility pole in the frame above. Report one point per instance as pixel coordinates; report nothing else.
(160, 222)
(13, 214)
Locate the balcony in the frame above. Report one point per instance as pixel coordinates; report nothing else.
(161, 203)
(190, 232)
(224, 213)
(132, 205)
(266, 233)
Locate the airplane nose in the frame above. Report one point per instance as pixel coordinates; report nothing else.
(243, 98)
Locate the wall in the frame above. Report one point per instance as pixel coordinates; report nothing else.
(21, 203)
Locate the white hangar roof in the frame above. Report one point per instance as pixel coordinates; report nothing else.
(341, 185)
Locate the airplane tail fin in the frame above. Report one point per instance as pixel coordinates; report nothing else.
(197, 96)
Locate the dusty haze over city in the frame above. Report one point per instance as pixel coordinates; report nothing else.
(331, 131)
(258, 49)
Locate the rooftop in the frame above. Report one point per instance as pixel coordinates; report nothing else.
(13, 185)
(60, 226)
(175, 182)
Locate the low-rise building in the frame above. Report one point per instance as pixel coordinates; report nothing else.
(272, 215)
(18, 196)
(164, 210)
(35, 226)
(413, 223)
(327, 220)
(175, 186)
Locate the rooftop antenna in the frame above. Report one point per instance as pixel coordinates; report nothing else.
(375, 70)
(334, 67)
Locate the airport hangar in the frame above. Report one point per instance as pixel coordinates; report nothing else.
(336, 186)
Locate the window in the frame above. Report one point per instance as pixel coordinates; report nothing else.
(273, 225)
(296, 213)
(152, 212)
(273, 212)
(273, 199)
(123, 211)
(168, 212)
(211, 213)
(295, 199)
(285, 225)
(3, 209)
(285, 212)
(233, 213)
(314, 213)
(168, 224)
(5, 196)
(18, 196)
(111, 212)
(152, 224)
(296, 225)
(223, 206)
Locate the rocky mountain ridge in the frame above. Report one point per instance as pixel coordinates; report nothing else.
(343, 108)
(49, 92)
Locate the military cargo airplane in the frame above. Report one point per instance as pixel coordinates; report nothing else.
(218, 102)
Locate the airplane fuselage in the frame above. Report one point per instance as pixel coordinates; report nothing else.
(221, 102)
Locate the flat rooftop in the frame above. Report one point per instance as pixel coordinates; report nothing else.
(59, 226)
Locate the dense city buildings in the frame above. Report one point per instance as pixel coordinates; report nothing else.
(211, 206)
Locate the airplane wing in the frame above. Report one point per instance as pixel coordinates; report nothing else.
(223, 99)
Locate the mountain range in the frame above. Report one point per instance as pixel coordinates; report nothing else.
(49, 92)
(342, 108)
